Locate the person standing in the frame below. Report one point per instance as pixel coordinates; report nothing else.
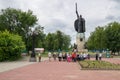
(64, 56)
(54, 56)
(84, 55)
(88, 56)
(69, 57)
(60, 56)
(49, 56)
(96, 56)
(39, 57)
(100, 56)
(74, 56)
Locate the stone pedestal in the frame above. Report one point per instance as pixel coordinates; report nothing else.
(32, 59)
(80, 41)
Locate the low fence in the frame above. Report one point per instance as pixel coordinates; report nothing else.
(103, 56)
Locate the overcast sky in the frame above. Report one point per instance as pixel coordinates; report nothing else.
(60, 14)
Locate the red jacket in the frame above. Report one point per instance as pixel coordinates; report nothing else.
(74, 55)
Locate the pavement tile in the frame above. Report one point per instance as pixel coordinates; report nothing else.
(55, 70)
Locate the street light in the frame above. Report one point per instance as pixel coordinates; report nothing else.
(33, 32)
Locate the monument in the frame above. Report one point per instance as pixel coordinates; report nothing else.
(79, 25)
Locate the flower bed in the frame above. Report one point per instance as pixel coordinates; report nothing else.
(98, 65)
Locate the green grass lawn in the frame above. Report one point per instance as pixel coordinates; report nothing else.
(45, 54)
(98, 65)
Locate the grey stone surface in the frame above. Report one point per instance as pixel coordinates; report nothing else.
(6, 66)
(80, 44)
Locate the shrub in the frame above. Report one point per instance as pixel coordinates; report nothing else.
(11, 46)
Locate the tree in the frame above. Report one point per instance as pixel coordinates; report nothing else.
(97, 39)
(11, 46)
(40, 41)
(17, 21)
(113, 36)
(59, 37)
(66, 42)
(90, 41)
(106, 37)
(50, 41)
(57, 41)
(39, 37)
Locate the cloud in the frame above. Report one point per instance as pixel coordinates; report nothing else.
(113, 12)
(60, 14)
(110, 17)
(117, 1)
(55, 24)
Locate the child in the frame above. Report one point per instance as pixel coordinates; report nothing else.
(69, 58)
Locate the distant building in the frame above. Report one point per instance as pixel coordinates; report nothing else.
(41, 50)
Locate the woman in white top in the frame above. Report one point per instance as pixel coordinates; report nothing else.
(60, 56)
(100, 56)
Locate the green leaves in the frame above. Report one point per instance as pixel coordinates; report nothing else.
(11, 46)
(106, 37)
(113, 36)
(17, 22)
(57, 40)
(14, 20)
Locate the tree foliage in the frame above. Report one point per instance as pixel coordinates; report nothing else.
(11, 46)
(97, 39)
(22, 23)
(113, 36)
(17, 22)
(57, 41)
(106, 37)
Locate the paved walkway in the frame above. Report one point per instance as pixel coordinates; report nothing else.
(6, 66)
(55, 70)
(112, 60)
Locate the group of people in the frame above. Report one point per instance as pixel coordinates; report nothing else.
(70, 57)
(74, 56)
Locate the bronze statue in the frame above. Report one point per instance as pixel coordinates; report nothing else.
(79, 23)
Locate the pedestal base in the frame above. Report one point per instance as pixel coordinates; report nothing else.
(32, 59)
(80, 41)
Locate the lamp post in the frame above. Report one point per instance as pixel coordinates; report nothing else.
(32, 57)
(33, 31)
